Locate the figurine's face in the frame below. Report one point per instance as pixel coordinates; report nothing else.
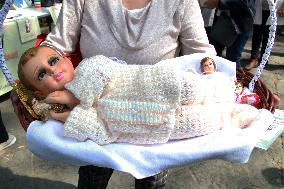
(208, 67)
(34, 101)
(48, 71)
(239, 88)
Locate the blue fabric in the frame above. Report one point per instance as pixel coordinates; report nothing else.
(234, 52)
(242, 12)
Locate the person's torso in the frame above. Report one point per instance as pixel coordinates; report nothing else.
(130, 34)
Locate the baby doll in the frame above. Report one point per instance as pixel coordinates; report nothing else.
(244, 96)
(140, 104)
(219, 86)
(208, 65)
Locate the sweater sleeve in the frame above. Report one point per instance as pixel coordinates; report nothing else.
(90, 79)
(192, 36)
(65, 34)
(83, 124)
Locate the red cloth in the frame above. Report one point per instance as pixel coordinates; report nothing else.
(247, 97)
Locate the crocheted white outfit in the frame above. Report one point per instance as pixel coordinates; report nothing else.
(145, 104)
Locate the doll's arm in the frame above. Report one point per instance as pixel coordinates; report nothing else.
(58, 105)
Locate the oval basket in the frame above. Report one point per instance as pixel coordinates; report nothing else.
(268, 100)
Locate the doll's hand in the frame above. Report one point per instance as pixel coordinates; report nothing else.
(211, 4)
(59, 116)
(62, 97)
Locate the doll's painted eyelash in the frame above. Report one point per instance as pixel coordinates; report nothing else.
(53, 60)
(210, 64)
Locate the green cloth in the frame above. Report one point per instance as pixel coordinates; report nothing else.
(14, 48)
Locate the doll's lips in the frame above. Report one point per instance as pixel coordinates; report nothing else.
(58, 76)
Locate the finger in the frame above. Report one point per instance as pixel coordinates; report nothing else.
(59, 116)
(54, 99)
(62, 97)
(55, 94)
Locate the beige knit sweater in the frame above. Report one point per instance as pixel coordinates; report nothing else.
(142, 104)
(116, 98)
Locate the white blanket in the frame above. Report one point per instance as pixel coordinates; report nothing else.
(46, 140)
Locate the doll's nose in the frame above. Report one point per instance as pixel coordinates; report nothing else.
(51, 72)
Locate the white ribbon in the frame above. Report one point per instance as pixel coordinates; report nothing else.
(265, 56)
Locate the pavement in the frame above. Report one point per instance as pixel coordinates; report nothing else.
(20, 169)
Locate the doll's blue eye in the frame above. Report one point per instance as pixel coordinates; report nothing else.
(53, 60)
(41, 74)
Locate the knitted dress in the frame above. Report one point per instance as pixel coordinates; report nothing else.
(145, 104)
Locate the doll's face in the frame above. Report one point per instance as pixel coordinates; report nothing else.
(239, 88)
(208, 66)
(48, 71)
(34, 101)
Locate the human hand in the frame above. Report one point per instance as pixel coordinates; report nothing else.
(62, 97)
(59, 116)
(211, 4)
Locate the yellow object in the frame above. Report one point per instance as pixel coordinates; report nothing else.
(23, 95)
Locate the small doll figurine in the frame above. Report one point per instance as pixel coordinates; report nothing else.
(244, 96)
(207, 65)
(42, 109)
